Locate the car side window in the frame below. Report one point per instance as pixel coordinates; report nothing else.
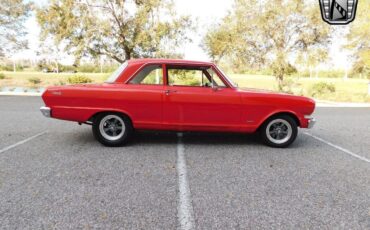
(192, 76)
(186, 77)
(149, 75)
(216, 80)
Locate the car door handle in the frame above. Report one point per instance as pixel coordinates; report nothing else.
(167, 92)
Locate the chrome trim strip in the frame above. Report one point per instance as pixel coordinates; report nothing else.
(46, 111)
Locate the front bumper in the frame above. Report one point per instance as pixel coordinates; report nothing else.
(311, 122)
(46, 111)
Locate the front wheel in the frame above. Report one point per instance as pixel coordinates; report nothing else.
(279, 131)
(112, 129)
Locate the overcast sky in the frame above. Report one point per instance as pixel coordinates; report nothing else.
(206, 12)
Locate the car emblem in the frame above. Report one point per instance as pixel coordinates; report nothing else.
(56, 93)
(338, 12)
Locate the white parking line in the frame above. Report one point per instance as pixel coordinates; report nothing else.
(185, 207)
(339, 148)
(21, 142)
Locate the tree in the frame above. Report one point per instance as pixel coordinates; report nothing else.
(311, 59)
(13, 14)
(50, 54)
(268, 36)
(118, 29)
(358, 38)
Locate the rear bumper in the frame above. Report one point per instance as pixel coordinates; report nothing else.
(46, 111)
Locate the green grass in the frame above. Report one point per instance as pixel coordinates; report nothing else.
(47, 79)
(351, 90)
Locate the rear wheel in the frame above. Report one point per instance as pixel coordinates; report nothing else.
(279, 131)
(112, 129)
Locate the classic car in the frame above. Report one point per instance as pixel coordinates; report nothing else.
(177, 95)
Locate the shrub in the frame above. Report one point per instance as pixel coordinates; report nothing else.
(34, 80)
(2, 76)
(10, 67)
(87, 68)
(320, 88)
(61, 82)
(79, 79)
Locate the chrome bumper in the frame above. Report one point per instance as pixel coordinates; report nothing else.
(311, 122)
(46, 111)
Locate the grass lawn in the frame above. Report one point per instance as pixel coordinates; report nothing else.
(47, 79)
(351, 90)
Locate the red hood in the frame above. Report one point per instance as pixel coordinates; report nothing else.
(258, 96)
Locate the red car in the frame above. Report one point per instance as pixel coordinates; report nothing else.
(161, 94)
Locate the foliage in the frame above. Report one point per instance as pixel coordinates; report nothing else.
(311, 58)
(11, 67)
(288, 85)
(2, 76)
(361, 69)
(118, 29)
(91, 68)
(185, 77)
(61, 82)
(43, 65)
(320, 88)
(358, 38)
(335, 73)
(34, 80)
(281, 67)
(79, 79)
(253, 38)
(13, 14)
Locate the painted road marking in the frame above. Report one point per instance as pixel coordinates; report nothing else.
(21, 142)
(339, 148)
(185, 207)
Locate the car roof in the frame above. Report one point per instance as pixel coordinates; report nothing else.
(167, 61)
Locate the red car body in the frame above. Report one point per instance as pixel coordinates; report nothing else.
(179, 108)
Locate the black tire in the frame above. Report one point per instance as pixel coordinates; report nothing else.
(106, 129)
(273, 131)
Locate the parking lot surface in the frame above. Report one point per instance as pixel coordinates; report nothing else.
(54, 175)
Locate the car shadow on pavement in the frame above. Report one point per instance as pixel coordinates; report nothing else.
(195, 138)
(192, 138)
(207, 138)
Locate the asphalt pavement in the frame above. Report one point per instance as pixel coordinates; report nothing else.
(54, 175)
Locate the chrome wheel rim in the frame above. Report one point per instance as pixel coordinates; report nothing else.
(112, 127)
(279, 131)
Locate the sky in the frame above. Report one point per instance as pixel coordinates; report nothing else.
(206, 12)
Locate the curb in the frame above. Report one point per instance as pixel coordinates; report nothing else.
(320, 103)
(20, 94)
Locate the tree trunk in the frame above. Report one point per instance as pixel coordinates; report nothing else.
(346, 74)
(280, 79)
(56, 66)
(127, 53)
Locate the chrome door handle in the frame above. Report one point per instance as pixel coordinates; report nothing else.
(167, 92)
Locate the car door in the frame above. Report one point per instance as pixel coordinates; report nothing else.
(191, 103)
(143, 97)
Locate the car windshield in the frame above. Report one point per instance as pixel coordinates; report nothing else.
(113, 77)
(227, 78)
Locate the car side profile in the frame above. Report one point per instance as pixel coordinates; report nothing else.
(177, 95)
